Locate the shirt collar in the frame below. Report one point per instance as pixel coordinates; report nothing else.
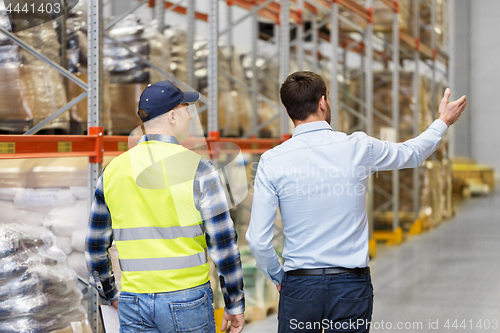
(311, 127)
(159, 137)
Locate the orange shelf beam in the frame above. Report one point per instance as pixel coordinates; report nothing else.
(183, 11)
(94, 146)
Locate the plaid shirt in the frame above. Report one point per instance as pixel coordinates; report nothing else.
(210, 200)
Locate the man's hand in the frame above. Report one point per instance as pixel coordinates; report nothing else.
(278, 287)
(115, 304)
(237, 322)
(450, 112)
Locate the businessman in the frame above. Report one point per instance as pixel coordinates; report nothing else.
(318, 179)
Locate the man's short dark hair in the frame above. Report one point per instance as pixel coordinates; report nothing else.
(301, 92)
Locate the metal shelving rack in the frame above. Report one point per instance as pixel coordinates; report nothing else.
(95, 144)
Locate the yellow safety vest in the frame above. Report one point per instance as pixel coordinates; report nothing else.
(158, 231)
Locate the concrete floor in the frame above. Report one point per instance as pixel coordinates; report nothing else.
(450, 273)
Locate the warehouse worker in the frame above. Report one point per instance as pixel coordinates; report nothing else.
(318, 179)
(162, 227)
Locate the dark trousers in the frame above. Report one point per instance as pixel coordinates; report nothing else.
(335, 303)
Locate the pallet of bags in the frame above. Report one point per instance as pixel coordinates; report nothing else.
(46, 92)
(15, 113)
(52, 193)
(382, 16)
(38, 292)
(441, 29)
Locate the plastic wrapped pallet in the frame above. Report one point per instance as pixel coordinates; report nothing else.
(38, 292)
(46, 94)
(42, 38)
(45, 90)
(15, 114)
(122, 65)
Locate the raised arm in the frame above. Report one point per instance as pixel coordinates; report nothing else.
(412, 153)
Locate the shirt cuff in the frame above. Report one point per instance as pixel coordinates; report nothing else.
(110, 301)
(440, 126)
(236, 308)
(277, 277)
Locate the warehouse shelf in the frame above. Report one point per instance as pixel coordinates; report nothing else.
(96, 145)
(402, 45)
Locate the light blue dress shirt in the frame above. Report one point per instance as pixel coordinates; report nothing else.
(318, 179)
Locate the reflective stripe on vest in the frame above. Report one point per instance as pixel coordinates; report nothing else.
(162, 264)
(157, 229)
(157, 233)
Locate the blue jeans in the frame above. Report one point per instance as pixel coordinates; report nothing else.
(188, 310)
(335, 303)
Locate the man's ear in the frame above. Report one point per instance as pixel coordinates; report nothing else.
(171, 117)
(322, 104)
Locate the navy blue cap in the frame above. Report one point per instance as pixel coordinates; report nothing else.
(161, 97)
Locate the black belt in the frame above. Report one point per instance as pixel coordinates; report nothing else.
(328, 271)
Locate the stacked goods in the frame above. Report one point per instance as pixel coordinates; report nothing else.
(32, 199)
(425, 26)
(242, 98)
(124, 103)
(234, 101)
(159, 54)
(228, 114)
(435, 198)
(122, 65)
(268, 87)
(176, 50)
(382, 16)
(128, 74)
(79, 112)
(45, 87)
(38, 292)
(15, 114)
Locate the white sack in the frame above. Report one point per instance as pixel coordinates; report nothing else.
(78, 240)
(76, 262)
(64, 220)
(64, 243)
(7, 213)
(10, 214)
(43, 199)
(8, 193)
(80, 192)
